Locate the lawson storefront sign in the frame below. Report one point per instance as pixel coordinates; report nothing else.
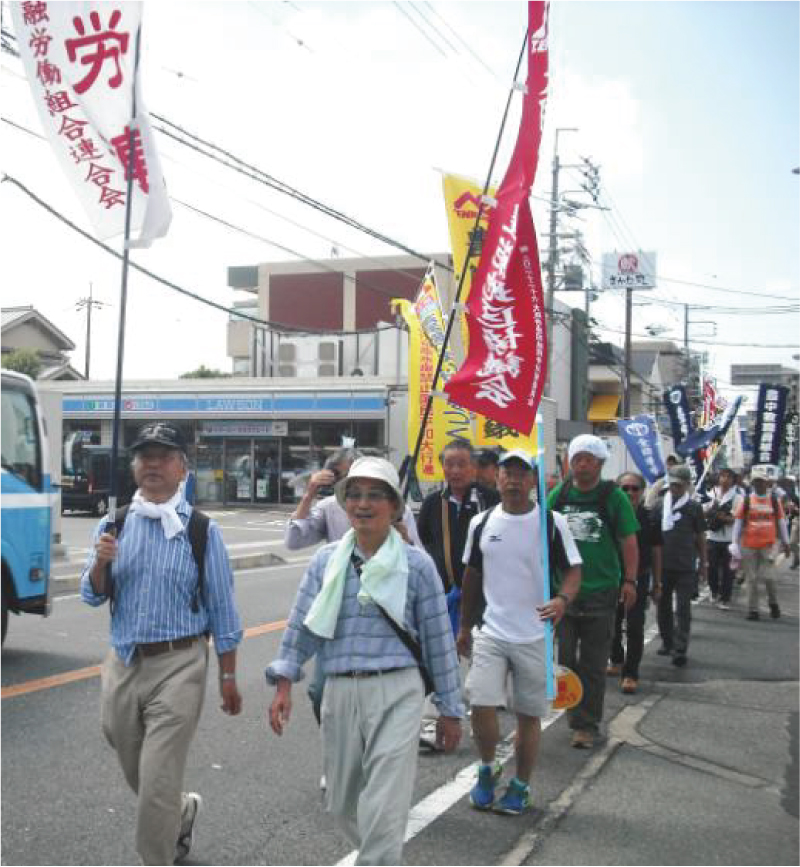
(331, 404)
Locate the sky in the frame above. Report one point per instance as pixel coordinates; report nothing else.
(691, 110)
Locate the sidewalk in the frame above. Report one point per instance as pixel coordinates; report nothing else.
(701, 766)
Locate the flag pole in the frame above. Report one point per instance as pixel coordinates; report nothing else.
(454, 310)
(112, 496)
(548, 626)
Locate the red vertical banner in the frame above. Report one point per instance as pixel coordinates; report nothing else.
(504, 373)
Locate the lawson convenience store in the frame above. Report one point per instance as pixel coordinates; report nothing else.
(249, 444)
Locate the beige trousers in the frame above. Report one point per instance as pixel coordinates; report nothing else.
(370, 737)
(758, 566)
(149, 712)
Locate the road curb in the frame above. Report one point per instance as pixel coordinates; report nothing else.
(72, 583)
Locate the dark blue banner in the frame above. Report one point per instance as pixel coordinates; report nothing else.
(769, 423)
(641, 437)
(680, 419)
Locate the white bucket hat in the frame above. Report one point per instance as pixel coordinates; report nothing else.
(372, 468)
(588, 443)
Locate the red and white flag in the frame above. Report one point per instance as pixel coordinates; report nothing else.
(81, 62)
(504, 373)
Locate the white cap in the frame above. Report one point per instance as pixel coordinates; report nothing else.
(588, 443)
(762, 471)
(519, 455)
(372, 468)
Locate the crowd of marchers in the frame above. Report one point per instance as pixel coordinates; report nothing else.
(409, 626)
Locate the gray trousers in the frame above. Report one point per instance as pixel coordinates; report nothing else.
(584, 645)
(758, 566)
(370, 735)
(149, 712)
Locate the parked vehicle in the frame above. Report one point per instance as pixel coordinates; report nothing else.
(86, 478)
(26, 499)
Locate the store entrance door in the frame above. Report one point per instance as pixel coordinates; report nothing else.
(238, 471)
(267, 462)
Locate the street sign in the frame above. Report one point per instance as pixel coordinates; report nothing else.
(629, 270)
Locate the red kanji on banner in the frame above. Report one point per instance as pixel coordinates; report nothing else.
(121, 145)
(48, 73)
(100, 175)
(86, 149)
(58, 102)
(33, 13)
(110, 197)
(72, 129)
(40, 42)
(96, 59)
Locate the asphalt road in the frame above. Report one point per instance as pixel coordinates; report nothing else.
(700, 767)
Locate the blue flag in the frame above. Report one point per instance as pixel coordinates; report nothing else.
(641, 437)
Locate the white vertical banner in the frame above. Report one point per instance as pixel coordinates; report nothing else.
(81, 60)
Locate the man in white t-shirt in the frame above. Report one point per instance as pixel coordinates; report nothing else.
(503, 557)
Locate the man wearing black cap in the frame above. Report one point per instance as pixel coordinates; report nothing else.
(154, 677)
(486, 468)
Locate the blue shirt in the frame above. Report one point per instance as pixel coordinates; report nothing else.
(365, 641)
(155, 581)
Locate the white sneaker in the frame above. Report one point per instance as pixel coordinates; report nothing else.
(192, 802)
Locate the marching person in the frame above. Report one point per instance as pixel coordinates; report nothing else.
(154, 678)
(760, 522)
(503, 558)
(372, 608)
(486, 468)
(719, 520)
(680, 533)
(625, 661)
(603, 524)
(324, 520)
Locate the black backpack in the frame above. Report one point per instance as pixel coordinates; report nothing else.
(196, 530)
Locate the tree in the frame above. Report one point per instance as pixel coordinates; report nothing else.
(204, 372)
(25, 361)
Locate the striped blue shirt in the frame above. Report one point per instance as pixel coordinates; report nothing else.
(364, 640)
(155, 581)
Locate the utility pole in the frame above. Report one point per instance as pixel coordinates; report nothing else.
(626, 395)
(552, 258)
(88, 303)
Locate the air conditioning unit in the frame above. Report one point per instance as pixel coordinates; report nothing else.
(287, 370)
(327, 370)
(287, 352)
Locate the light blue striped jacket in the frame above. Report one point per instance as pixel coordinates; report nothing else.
(155, 580)
(364, 640)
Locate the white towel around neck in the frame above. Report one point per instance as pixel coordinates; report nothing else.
(165, 512)
(672, 512)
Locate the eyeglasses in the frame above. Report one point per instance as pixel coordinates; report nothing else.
(629, 488)
(371, 496)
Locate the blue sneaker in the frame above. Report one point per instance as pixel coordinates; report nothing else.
(516, 800)
(482, 794)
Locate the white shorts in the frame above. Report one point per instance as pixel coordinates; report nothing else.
(493, 660)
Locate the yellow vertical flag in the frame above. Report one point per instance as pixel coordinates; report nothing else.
(462, 199)
(445, 422)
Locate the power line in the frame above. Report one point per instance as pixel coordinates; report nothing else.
(414, 23)
(237, 312)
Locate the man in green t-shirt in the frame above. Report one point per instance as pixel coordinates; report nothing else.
(604, 527)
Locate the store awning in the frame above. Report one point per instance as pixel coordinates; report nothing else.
(604, 407)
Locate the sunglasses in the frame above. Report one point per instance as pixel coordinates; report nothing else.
(631, 488)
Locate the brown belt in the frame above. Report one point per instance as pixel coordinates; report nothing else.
(156, 648)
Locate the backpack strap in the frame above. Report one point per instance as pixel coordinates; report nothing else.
(197, 531)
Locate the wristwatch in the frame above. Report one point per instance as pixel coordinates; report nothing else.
(563, 596)
(227, 676)
(630, 581)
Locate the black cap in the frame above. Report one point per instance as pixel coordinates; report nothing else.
(159, 434)
(487, 457)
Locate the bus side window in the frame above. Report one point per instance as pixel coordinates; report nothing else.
(19, 442)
